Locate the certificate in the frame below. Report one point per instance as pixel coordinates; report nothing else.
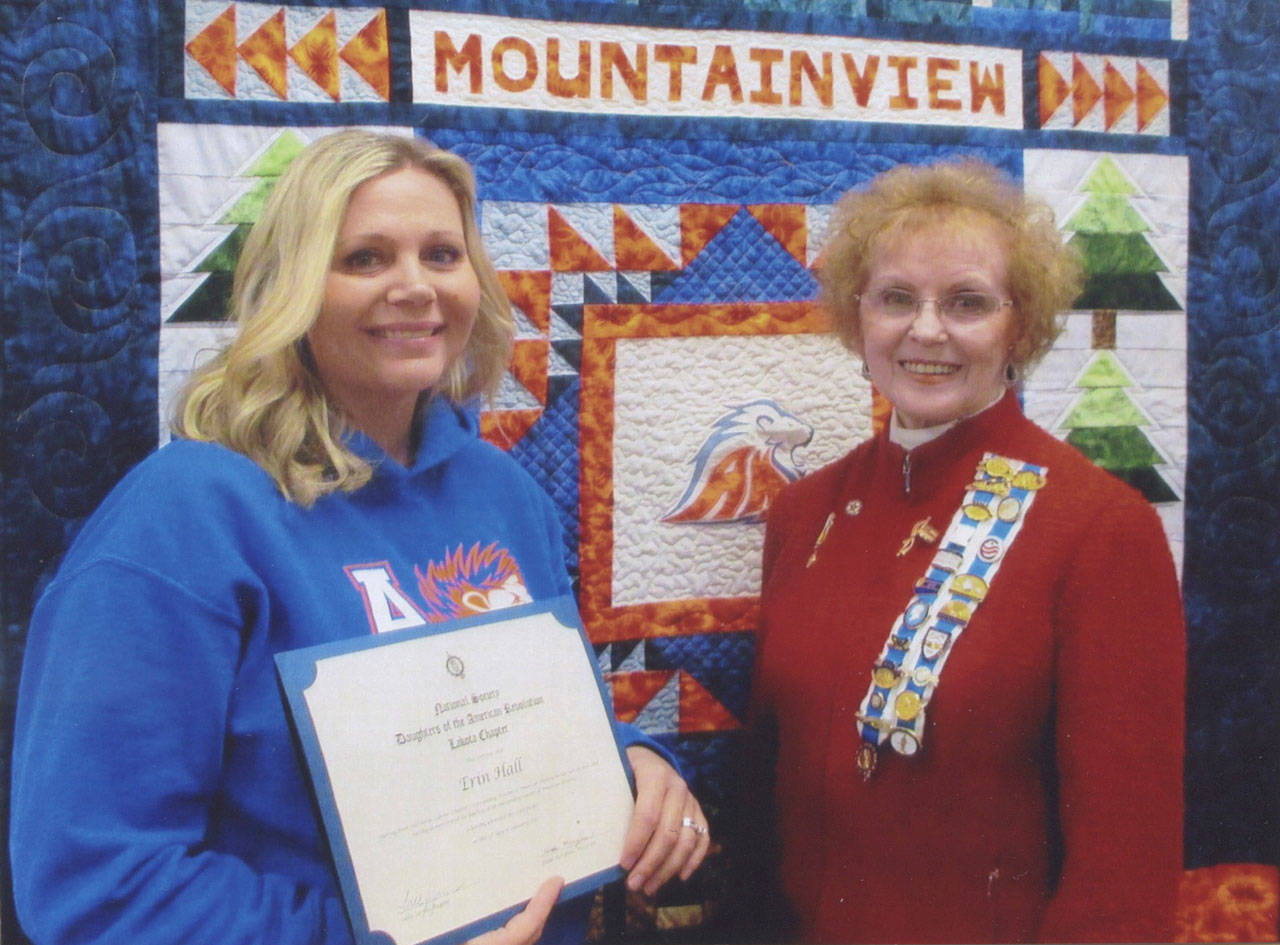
(458, 766)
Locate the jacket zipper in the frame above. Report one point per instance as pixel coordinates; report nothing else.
(993, 899)
(906, 473)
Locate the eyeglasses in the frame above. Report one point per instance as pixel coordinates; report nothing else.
(899, 303)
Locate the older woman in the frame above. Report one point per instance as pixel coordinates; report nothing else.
(326, 473)
(972, 646)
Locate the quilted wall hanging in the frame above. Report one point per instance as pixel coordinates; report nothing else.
(655, 184)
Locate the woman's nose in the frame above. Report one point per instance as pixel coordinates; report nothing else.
(413, 283)
(927, 326)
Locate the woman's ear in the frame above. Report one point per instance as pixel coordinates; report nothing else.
(1019, 349)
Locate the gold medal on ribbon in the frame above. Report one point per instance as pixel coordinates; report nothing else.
(907, 705)
(997, 467)
(977, 511)
(957, 610)
(885, 676)
(1028, 480)
(969, 585)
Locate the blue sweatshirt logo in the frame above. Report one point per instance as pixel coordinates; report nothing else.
(465, 582)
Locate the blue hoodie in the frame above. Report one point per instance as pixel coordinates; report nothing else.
(158, 796)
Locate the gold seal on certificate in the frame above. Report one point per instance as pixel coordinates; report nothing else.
(457, 767)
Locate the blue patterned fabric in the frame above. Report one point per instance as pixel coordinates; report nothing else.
(1232, 587)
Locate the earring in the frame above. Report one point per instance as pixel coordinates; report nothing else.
(865, 371)
(1012, 373)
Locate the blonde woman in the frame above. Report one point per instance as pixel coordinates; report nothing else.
(326, 482)
(972, 646)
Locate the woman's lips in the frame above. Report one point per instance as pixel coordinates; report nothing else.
(929, 368)
(406, 332)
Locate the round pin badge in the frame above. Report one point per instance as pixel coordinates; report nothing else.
(915, 614)
(1009, 509)
(904, 742)
(997, 467)
(907, 705)
(922, 676)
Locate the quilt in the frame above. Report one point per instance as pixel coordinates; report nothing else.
(655, 184)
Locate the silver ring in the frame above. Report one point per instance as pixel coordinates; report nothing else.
(694, 826)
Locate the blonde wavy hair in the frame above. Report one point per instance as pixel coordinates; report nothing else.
(261, 396)
(1045, 275)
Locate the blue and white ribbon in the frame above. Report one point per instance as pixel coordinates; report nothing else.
(958, 579)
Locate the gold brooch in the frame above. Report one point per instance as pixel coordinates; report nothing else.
(922, 530)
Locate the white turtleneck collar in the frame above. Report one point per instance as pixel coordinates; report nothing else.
(909, 439)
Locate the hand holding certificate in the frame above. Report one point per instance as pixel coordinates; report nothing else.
(457, 768)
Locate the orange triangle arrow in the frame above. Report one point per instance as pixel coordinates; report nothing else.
(214, 47)
(1151, 97)
(1084, 90)
(634, 249)
(265, 52)
(505, 428)
(369, 55)
(1053, 88)
(569, 251)
(1117, 97)
(700, 711)
(529, 291)
(317, 55)
(529, 365)
(633, 691)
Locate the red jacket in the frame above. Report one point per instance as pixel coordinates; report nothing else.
(1046, 801)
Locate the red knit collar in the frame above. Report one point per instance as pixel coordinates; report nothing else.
(931, 463)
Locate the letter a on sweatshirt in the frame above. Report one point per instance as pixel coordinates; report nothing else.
(387, 606)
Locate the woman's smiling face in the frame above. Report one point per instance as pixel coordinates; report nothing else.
(400, 298)
(934, 367)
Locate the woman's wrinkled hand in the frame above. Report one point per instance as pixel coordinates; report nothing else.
(668, 835)
(525, 927)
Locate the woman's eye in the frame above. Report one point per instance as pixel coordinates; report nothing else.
(968, 303)
(444, 255)
(897, 300)
(362, 259)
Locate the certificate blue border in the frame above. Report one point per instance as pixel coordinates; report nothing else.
(297, 672)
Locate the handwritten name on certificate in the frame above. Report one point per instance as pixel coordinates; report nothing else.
(457, 770)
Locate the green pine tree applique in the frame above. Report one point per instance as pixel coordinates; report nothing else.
(1106, 426)
(210, 301)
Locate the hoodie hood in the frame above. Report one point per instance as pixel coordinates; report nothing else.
(444, 429)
